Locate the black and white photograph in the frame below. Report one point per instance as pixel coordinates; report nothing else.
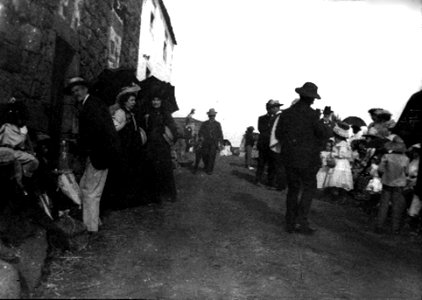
(197, 149)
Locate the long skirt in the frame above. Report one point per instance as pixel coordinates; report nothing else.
(340, 176)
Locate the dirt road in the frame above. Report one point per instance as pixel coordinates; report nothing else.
(225, 239)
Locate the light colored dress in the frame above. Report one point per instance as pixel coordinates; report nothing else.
(323, 171)
(341, 175)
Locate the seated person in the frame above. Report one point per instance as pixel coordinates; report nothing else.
(14, 135)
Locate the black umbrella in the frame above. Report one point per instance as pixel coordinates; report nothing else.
(354, 121)
(152, 86)
(110, 81)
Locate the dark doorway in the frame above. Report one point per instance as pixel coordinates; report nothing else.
(63, 56)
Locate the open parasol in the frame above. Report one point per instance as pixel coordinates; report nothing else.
(354, 121)
(110, 82)
(152, 86)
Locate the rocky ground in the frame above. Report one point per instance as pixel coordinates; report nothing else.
(225, 239)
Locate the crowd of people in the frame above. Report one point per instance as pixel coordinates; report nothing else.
(124, 152)
(306, 150)
(128, 161)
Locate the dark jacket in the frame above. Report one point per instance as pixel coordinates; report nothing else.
(265, 124)
(154, 124)
(249, 138)
(98, 136)
(301, 135)
(210, 133)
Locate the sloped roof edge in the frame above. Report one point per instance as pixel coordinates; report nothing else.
(168, 21)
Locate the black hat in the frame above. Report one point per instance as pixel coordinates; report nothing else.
(309, 89)
(327, 110)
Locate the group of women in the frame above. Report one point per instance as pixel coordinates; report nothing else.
(145, 170)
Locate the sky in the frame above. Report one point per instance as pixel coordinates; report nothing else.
(235, 55)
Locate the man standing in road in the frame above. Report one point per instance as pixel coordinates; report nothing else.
(301, 134)
(99, 143)
(266, 156)
(211, 136)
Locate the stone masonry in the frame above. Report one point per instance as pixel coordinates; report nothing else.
(44, 42)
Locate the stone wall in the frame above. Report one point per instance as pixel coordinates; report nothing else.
(44, 42)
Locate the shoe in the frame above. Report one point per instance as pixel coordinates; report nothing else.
(251, 168)
(305, 230)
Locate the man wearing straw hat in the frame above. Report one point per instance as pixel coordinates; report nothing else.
(266, 157)
(211, 136)
(301, 135)
(99, 142)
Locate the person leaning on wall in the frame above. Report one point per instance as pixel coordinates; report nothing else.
(100, 145)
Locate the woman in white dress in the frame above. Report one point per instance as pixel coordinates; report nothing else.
(341, 175)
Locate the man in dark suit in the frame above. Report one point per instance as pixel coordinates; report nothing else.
(211, 136)
(301, 134)
(266, 156)
(99, 143)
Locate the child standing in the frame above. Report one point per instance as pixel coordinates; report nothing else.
(323, 171)
(393, 167)
(341, 175)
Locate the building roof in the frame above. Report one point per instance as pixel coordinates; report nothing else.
(168, 21)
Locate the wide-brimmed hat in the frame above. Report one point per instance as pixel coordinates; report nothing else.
(309, 89)
(273, 103)
(341, 129)
(74, 81)
(133, 89)
(211, 112)
(374, 110)
(327, 110)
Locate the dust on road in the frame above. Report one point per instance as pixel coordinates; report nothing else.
(225, 239)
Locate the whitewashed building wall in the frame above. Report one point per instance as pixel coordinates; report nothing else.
(156, 42)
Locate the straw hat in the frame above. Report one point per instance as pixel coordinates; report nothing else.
(273, 103)
(133, 89)
(74, 81)
(342, 129)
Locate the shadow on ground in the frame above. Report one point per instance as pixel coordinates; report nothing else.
(249, 177)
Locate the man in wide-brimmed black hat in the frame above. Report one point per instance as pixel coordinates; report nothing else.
(301, 135)
(99, 143)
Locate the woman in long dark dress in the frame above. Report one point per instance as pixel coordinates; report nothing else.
(161, 132)
(127, 176)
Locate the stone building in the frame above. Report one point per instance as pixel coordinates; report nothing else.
(157, 42)
(44, 42)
